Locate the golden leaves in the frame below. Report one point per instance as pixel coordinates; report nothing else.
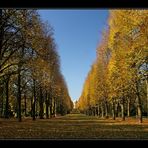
(119, 56)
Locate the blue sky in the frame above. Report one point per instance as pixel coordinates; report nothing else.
(77, 34)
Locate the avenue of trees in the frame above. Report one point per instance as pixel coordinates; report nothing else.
(117, 84)
(31, 83)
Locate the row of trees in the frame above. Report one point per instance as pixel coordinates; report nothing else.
(31, 83)
(117, 84)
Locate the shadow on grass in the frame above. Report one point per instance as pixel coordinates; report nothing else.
(72, 127)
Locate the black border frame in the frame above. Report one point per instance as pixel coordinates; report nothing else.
(53, 4)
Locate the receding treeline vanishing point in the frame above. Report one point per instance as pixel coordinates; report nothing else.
(34, 96)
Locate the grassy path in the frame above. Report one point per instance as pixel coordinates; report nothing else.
(73, 126)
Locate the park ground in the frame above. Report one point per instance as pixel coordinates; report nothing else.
(74, 126)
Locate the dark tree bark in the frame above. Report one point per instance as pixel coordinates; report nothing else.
(19, 96)
(117, 109)
(106, 109)
(123, 108)
(7, 97)
(139, 104)
(34, 100)
(41, 104)
(128, 108)
(113, 110)
(98, 110)
(94, 111)
(31, 102)
(102, 110)
(47, 105)
(25, 104)
(50, 103)
(54, 107)
(50, 107)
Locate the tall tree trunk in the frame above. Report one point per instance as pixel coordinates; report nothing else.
(34, 100)
(94, 111)
(117, 106)
(106, 109)
(36, 108)
(89, 111)
(19, 96)
(113, 110)
(54, 107)
(123, 109)
(31, 100)
(50, 106)
(128, 107)
(102, 110)
(7, 99)
(47, 105)
(25, 104)
(139, 105)
(41, 104)
(98, 110)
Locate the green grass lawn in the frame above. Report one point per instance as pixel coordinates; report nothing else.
(73, 126)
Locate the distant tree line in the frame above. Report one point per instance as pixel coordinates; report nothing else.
(31, 83)
(117, 84)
